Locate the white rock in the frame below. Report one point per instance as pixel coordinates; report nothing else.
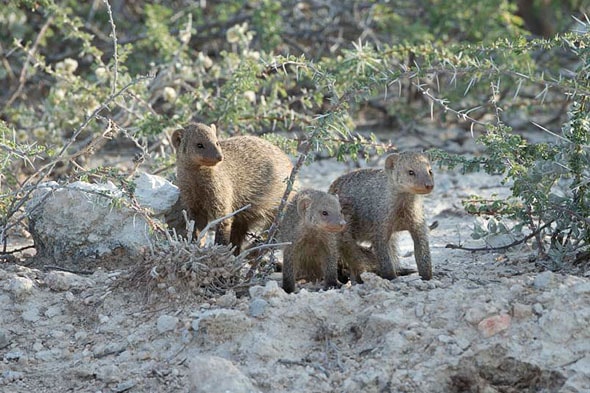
(155, 192)
(80, 220)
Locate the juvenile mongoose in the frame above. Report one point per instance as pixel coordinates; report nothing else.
(312, 219)
(217, 177)
(380, 202)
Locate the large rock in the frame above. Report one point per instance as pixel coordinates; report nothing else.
(156, 193)
(77, 224)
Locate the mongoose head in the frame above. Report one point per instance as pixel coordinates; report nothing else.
(197, 144)
(322, 211)
(410, 172)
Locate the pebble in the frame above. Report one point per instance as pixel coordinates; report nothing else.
(109, 373)
(13, 355)
(61, 281)
(20, 287)
(212, 374)
(227, 300)
(4, 339)
(522, 311)
(11, 376)
(124, 386)
(494, 325)
(544, 279)
(31, 314)
(166, 323)
(257, 307)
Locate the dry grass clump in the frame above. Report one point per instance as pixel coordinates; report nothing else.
(180, 266)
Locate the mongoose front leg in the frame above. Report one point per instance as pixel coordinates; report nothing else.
(422, 250)
(387, 258)
(331, 269)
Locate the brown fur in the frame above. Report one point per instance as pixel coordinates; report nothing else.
(217, 177)
(378, 203)
(312, 220)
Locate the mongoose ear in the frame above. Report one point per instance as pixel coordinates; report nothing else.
(177, 138)
(391, 160)
(302, 205)
(213, 128)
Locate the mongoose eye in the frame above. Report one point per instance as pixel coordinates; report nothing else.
(430, 172)
(217, 143)
(200, 146)
(411, 173)
(324, 213)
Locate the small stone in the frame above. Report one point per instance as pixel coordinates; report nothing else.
(257, 307)
(494, 324)
(419, 310)
(4, 340)
(227, 300)
(211, 374)
(538, 308)
(53, 311)
(463, 343)
(166, 323)
(582, 288)
(474, 315)
(11, 376)
(65, 281)
(13, 356)
(20, 287)
(31, 314)
(522, 311)
(544, 279)
(48, 355)
(124, 386)
(445, 339)
(109, 374)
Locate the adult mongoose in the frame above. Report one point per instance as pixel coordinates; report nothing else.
(311, 220)
(378, 203)
(217, 177)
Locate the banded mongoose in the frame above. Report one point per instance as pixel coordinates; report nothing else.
(217, 177)
(378, 203)
(312, 219)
